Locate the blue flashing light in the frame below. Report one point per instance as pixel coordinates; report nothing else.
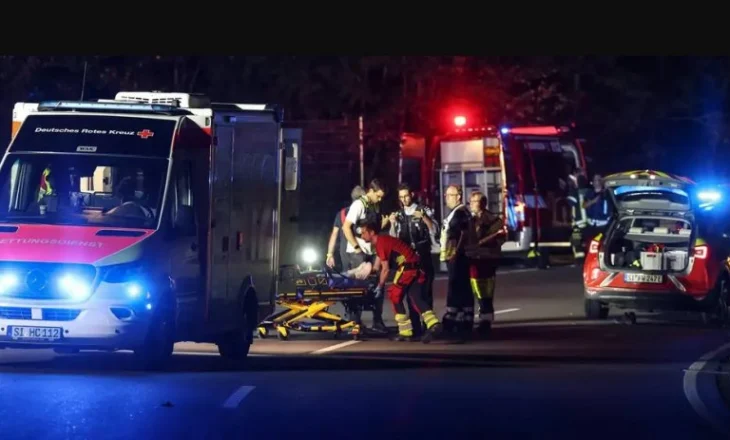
(709, 196)
(118, 106)
(504, 130)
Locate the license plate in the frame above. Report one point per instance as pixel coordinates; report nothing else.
(35, 333)
(643, 278)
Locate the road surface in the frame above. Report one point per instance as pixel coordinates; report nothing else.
(546, 373)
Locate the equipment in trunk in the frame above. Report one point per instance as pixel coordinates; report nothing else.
(649, 244)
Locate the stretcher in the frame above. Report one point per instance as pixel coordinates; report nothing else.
(306, 296)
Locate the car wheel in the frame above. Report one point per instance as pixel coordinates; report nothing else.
(595, 309)
(722, 307)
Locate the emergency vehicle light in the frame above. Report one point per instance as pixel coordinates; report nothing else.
(460, 121)
(82, 105)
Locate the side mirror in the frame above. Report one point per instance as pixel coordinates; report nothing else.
(185, 222)
(291, 167)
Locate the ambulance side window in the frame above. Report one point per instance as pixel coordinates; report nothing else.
(183, 202)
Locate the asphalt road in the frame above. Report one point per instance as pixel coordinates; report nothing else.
(546, 373)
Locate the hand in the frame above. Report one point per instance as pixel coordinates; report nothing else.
(378, 292)
(418, 214)
(392, 218)
(331, 261)
(358, 250)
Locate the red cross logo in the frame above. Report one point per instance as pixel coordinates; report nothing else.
(144, 134)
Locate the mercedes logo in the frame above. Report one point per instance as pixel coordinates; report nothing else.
(36, 279)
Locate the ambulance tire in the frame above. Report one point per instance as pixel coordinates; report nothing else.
(595, 309)
(235, 345)
(156, 351)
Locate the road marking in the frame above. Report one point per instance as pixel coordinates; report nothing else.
(334, 347)
(505, 311)
(692, 393)
(237, 397)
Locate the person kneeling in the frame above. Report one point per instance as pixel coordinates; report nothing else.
(409, 281)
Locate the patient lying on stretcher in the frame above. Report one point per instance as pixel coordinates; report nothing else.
(357, 277)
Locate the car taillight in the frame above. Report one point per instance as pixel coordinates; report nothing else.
(700, 252)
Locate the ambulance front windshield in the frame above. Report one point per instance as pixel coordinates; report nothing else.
(111, 191)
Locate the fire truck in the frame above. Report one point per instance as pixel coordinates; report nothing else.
(138, 222)
(523, 171)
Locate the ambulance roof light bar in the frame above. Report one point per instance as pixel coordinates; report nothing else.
(108, 106)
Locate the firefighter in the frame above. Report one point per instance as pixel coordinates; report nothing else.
(408, 282)
(364, 209)
(484, 250)
(413, 224)
(338, 233)
(459, 316)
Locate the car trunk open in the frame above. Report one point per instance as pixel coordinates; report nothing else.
(653, 230)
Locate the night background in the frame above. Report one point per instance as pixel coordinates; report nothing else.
(554, 358)
(656, 112)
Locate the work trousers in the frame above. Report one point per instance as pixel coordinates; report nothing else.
(426, 264)
(483, 276)
(410, 283)
(459, 316)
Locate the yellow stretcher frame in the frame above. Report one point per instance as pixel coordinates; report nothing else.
(311, 300)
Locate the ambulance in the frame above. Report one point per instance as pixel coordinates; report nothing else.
(139, 222)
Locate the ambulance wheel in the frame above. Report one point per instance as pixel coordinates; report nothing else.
(159, 343)
(595, 309)
(235, 344)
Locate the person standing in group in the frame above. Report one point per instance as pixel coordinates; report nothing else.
(484, 251)
(596, 204)
(338, 232)
(364, 210)
(454, 237)
(408, 282)
(413, 224)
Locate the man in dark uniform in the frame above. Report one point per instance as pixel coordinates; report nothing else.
(413, 224)
(454, 237)
(597, 208)
(484, 251)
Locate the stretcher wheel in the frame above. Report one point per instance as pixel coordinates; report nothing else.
(282, 333)
(262, 332)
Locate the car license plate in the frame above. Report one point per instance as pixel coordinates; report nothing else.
(35, 333)
(643, 278)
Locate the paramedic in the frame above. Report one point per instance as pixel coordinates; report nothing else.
(413, 224)
(487, 235)
(597, 210)
(408, 282)
(364, 209)
(338, 233)
(459, 314)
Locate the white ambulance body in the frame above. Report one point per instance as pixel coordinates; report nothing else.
(138, 222)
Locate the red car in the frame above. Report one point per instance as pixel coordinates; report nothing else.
(666, 247)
